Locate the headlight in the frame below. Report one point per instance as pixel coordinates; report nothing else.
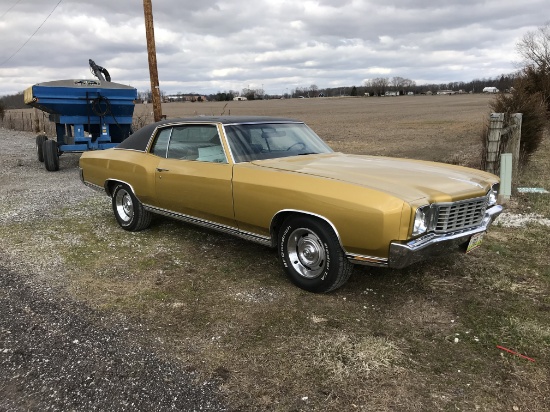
(420, 221)
(493, 195)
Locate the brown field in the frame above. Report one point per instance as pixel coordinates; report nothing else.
(427, 127)
(420, 339)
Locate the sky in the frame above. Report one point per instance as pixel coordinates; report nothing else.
(209, 46)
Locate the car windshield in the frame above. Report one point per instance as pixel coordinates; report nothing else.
(258, 141)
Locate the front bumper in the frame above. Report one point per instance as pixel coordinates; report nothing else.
(403, 254)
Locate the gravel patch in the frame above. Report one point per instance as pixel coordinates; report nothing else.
(520, 220)
(57, 354)
(27, 190)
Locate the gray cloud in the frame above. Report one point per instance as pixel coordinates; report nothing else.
(215, 45)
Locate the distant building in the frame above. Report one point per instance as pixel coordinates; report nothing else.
(392, 93)
(446, 92)
(240, 98)
(184, 98)
(490, 90)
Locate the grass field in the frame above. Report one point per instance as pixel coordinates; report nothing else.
(420, 339)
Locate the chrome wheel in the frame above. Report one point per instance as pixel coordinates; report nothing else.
(124, 206)
(306, 253)
(128, 210)
(311, 254)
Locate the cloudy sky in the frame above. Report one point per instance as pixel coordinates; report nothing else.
(208, 46)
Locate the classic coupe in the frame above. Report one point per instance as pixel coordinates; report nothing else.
(275, 182)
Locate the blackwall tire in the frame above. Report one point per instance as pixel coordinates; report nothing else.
(311, 254)
(40, 139)
(129, 212)
(51, 155)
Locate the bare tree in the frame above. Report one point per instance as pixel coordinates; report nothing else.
(379, 85)
(402, 84)
(314, 90)
(534, 47)
(397, 81)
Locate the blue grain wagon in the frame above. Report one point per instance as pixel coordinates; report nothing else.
(88, 115)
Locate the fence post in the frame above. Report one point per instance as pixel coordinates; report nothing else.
(506, 172)
(514, 145)
(496, 121)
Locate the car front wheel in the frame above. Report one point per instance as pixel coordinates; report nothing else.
(311, 254)
(128, 210)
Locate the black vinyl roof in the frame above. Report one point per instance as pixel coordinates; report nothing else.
(139, 139)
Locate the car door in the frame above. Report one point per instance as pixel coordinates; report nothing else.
(193, 177)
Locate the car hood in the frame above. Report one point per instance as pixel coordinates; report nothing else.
(406, 179)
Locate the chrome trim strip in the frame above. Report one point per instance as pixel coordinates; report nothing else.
(228, 145)
(304, 212)
(263, 240)
(265, 122)
(366, 260)
(129, 150)
(94, 187)
(403, 254)
(107, 181)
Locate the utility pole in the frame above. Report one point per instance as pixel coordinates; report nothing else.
(152, 54)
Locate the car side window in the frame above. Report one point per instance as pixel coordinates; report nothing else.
(196, 142)
(160, 144)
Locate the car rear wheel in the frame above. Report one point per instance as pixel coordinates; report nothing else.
(40, 139)
(311, 254)
(51, 155)
(129, 211)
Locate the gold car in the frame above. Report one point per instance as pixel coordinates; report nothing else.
(275, 182)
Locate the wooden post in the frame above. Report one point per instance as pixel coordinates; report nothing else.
(152, 54)
(496, 121)
(36, 121)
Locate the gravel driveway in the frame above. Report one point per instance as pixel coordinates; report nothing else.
(57, 354)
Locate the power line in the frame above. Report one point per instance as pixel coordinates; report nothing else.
(8, 10)
(32, 35)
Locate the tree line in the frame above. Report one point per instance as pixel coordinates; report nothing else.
(372, 87)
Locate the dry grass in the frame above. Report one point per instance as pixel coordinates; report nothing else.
(419, 339)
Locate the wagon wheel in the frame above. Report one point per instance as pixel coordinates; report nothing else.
(40, 139)
(51, 155)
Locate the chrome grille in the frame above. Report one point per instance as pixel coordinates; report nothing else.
(464, 214)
